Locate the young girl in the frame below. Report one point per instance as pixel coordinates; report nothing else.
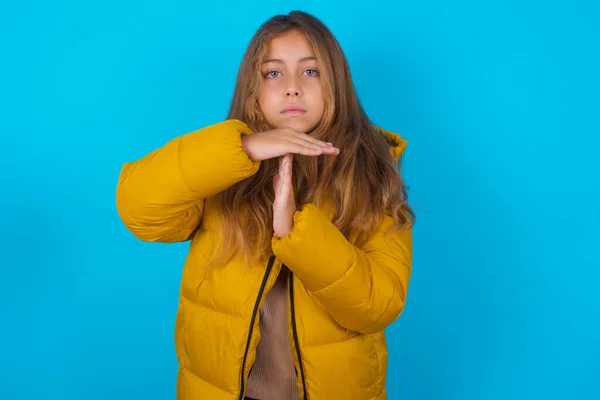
(300, 230)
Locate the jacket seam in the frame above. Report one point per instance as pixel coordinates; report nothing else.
(344, 274)
(196, 375)
(392, 298)
(195, 303)
(345, 340)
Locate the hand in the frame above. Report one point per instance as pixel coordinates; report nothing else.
(284, 205)
(279, 142)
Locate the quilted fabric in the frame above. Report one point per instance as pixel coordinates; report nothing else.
(340, 297)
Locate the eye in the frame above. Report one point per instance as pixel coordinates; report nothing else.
(311, 72)
(272, 74)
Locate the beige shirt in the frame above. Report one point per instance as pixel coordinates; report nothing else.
(273, 375)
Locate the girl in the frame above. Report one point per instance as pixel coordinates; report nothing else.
(300, 230)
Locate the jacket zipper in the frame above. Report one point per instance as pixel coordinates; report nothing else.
(252, 320)
(295, 333)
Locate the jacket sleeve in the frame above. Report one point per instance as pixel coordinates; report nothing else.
(160, 197)
(364, 289)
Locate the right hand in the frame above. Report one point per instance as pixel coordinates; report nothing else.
(279, 142)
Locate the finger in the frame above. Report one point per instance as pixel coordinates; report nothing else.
(306, 137)
(286, 179)
(305, 143)
(288, 164)
(283, 166)
(330, 150)
(326, 149)
(310, 143)
(302, 148)
(311, 151)
(311, 139)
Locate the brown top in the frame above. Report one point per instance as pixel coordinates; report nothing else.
(273, 375)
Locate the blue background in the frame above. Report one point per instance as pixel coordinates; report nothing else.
(499, 101)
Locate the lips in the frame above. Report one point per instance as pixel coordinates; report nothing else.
(293, 111)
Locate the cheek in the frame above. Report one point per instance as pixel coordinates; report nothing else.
(318, 91)
(267, 92)
(320, 98)
(268, 103)
(264, 98)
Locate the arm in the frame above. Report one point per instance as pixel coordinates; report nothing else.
(363, 289)
(160, 198)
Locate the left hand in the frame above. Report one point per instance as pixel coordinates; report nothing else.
(284, 206)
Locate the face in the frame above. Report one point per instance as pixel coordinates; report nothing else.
(291, 94)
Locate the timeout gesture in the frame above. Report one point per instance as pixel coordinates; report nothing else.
(283, 143)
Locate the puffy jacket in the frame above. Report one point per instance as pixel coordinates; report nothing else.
(340, 297)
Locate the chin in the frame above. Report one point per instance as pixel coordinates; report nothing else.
(298, 125)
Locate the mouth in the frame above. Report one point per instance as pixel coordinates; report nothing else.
(293, 111)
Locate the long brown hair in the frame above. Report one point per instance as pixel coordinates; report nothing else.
(363, 183)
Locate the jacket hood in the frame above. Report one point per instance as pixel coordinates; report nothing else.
(397, 143)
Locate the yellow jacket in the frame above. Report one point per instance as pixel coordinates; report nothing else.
(341, 297)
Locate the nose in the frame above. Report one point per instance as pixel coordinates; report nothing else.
(293, 88)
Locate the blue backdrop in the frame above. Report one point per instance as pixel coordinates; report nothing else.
(499, 101)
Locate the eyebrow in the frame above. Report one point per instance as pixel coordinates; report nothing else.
(276, 60)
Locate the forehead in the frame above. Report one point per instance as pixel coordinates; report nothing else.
(291, 46)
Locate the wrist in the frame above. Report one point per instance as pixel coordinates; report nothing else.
(283, 229)
(245, 147)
